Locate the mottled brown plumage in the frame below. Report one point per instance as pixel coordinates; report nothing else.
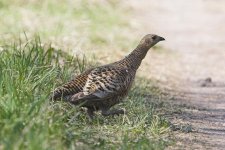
(102, 87)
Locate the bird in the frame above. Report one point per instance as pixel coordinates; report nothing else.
(100, 88)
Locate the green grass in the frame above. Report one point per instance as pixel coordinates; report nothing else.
(29, 72)
(29, 121)
(91, 24)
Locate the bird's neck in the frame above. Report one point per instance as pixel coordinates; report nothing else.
(135, 58)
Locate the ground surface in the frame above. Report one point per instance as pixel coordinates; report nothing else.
(195, 35)
(30, 70)
(189, 65)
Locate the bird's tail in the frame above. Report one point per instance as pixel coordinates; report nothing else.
(61, 93)
(65, 91)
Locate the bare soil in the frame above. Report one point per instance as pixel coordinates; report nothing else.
(193, 67)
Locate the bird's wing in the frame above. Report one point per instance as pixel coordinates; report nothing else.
(103, 82)
(72, 87)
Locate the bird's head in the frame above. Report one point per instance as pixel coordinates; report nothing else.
(150, 40)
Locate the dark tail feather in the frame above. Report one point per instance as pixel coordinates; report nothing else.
(58, 94)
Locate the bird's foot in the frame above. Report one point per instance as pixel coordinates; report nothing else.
(90, 113)
(113, 112)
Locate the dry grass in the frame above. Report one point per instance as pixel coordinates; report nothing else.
(99, 27)
(28, 72)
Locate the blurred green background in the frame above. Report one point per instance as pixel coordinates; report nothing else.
(42, 45)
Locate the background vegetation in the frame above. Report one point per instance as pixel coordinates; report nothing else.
(31, 69)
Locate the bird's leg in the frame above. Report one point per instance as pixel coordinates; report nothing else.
(90, 113)
(107, 112)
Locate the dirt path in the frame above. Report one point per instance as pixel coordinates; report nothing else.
(195, 34)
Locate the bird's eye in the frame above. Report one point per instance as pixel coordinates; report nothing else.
(154, 37)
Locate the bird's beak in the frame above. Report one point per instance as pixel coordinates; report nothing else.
(161, 39)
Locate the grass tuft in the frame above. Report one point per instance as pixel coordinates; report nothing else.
(29, 72)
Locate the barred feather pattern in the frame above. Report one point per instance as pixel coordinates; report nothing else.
(70, 88)
(105, 86)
